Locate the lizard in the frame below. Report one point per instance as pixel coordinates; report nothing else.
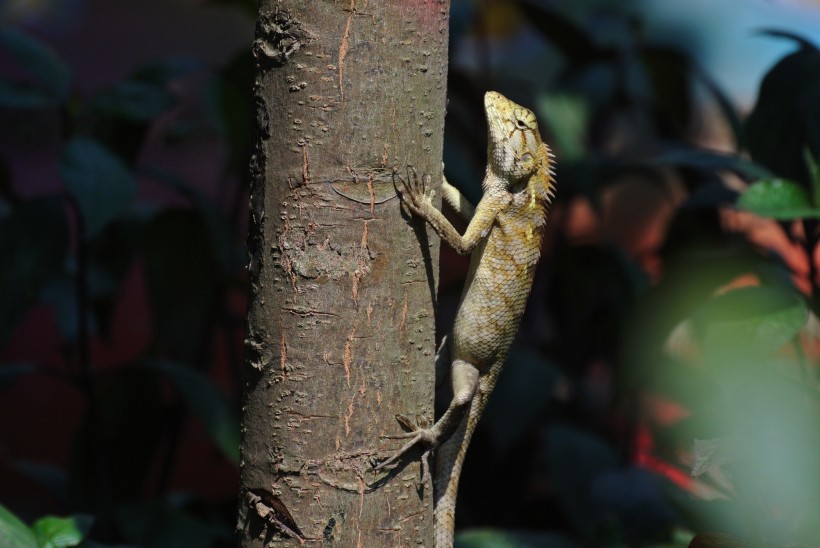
(503, 236)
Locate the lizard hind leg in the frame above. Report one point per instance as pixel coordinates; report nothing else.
(465, 383)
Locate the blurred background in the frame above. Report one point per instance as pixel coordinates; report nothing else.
(663, 389)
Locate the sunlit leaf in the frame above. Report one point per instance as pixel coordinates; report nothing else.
(779, 199)
(101, 184)
(207, 402)
(54, 532)
(13, 532)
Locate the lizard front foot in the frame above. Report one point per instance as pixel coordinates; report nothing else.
(415, 194)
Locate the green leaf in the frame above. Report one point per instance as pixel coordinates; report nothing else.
(51, 74)
(33, 245)
(54, 532)
(100, 183)
(207, 402)
(779, 199)
(13, 532)
(747, 321)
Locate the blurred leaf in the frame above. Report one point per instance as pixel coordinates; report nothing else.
(778, 199)
(754, 320)
(521, 396)
(33, 245)
(100, 183)
(207, 402)
(53, 532)
(775, 33)
(123, 114)
(711, 195)
(500, 538)
(714, 161)
(713, 452)
(110, 259)
(52, 75)
(61, 296)
(669, 70)
(13, 532)
(133, 101)
(567, 118)
(786, 117)
(183, 273)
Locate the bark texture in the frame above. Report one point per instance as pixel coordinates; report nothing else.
(341, 328)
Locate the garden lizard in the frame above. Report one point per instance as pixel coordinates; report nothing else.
(504, 236)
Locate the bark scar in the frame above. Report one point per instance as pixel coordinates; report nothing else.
(343, 48)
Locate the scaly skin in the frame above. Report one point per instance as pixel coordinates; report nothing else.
(504, 237)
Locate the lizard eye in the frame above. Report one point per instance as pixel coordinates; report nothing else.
(520, 123)
(526, 157)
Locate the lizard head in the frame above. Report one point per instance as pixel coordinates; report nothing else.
(514, 148)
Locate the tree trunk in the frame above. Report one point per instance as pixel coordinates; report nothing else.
(340, 327)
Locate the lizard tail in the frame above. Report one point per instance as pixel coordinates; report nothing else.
(449, 459)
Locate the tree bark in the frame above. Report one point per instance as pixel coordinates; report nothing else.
(341, 328)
